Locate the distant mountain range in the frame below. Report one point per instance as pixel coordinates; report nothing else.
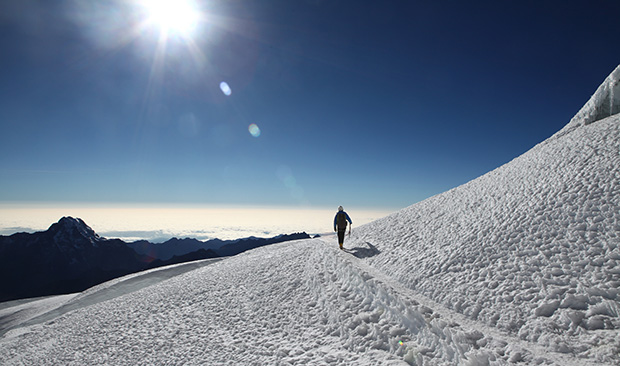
(71, 257)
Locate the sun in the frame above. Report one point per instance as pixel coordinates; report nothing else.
(172, 16)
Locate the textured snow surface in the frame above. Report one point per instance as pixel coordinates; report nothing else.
(302, 303)
(531, 249)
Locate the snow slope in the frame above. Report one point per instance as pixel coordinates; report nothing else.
(20, 313)
(521, 265)
(304, 303)
(300, 303)
(531, 249)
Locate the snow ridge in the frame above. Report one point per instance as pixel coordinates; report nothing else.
(604, 102)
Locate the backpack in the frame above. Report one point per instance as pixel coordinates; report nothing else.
(341, 221)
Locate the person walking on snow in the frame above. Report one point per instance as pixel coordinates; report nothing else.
(340, 225)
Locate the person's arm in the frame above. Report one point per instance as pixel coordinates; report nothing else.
(335, 220)
(350, 222)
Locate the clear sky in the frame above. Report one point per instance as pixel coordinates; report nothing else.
(289, 103)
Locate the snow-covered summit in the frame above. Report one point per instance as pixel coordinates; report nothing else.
(68, 229)
(604, 102)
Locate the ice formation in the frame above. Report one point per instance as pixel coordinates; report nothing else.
(604, 102)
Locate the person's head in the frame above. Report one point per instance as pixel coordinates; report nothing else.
(340, 208)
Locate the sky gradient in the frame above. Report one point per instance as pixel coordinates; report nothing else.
(375, 104)
(159, 222)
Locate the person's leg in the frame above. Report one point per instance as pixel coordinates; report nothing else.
(341, 238)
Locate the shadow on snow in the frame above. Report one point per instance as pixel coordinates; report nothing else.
(361, 252)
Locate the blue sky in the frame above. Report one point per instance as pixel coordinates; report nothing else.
(359, 103)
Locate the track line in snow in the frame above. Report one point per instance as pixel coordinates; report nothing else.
(296, 303)
(470, 341)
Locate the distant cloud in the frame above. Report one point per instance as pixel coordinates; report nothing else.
(160, 223)
(12, 230)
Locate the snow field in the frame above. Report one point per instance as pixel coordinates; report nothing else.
(298, 303)
(311, 307)
(531, 248)
(15, 313)
(279, 305)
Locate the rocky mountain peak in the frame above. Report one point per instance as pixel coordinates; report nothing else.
(72, 229)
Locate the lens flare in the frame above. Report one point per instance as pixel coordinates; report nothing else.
(254, 130)
(285, 174)
(225, 88)
(177, 16)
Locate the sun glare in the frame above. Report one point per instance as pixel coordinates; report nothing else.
(177, 16)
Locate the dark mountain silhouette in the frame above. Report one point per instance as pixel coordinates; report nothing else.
(67, 257)
(173, 247)
(178, 247)
(193, 256)
(238, 246)
(71, 257)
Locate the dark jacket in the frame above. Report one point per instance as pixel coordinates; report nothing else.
(336, 221)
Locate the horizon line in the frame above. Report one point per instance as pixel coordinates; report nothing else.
(191, 205)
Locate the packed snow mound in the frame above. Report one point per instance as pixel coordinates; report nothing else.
(531, 248)
(604, 102)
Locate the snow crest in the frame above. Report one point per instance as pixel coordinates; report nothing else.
(604, 102)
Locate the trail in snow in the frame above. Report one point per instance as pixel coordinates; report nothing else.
(303, 302)
(283, 304)
(460, 331)
(531, 248)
